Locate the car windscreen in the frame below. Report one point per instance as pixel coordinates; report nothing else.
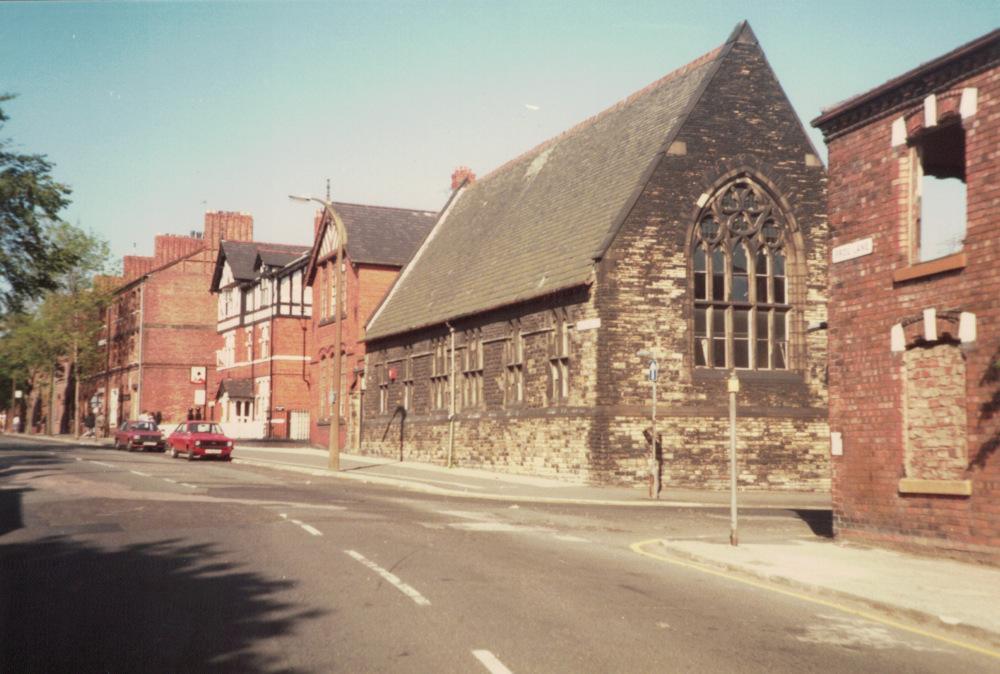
(206, 428)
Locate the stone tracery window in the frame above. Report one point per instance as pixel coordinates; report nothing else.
(741, 294)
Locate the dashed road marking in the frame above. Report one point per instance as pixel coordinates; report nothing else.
(569, 538)
(391, 578)
(170, 480)
(491, 662)
(638, 548)
(308, 528)
(101, 463)
(140, 473)
(190, 486)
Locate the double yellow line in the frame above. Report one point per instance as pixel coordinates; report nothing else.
(639, 548)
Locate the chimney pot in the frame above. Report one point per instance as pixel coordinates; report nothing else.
(460, 175)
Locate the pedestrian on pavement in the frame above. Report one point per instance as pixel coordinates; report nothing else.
(89, 422)
(3, 422)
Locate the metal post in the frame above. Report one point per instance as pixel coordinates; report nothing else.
(656, 459)
(733, 386)
(337, 345)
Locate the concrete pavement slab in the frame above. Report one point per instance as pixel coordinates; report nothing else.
(942, 593)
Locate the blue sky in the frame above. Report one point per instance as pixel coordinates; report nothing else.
(156, 112)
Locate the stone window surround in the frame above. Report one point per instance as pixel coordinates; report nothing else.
(792, 247)
(925, 328)
(904, 131)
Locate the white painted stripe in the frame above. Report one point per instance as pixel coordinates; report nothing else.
(167, 479)
(78, 458)
(465, 515)
(139, 473)
(490, 662)
(185, 484)
(571, 539)
(313, 530)
(391, 578)
(101, 463)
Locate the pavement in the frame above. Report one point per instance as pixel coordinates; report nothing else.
(944, 595)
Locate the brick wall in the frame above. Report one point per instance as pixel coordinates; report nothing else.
(870, 198)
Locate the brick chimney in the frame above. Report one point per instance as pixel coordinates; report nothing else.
(227, 225)
(460, 175)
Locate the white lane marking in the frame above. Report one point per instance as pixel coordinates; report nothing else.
(101, 463)
(569, 538)
(167, 479)
(391, 578)
(308, 528)
(78, 458)
(140, 473)
(502, 527)
(185, 484)
(464, 514)
(490, 662)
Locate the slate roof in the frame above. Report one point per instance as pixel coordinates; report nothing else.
(383, 235)
(536, 224)
(236, 388)
(242, 258)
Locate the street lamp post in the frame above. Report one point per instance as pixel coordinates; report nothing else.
(331, 215)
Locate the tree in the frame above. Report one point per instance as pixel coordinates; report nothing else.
(63, 328)
(30, 202)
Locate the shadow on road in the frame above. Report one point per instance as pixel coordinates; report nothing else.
(819, 521)
(67, 606)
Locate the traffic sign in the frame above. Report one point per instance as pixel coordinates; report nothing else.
(654, 369)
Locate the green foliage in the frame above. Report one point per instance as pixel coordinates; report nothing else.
(65, 325)
(31, 257)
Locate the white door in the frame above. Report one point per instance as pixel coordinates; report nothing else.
(300, 426)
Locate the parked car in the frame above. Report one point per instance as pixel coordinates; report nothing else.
(200, 439)
(140, 435)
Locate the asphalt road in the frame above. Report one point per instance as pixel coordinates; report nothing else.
(123, 562)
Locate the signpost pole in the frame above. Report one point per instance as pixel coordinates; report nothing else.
(733, 386)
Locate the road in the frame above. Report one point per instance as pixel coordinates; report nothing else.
(124, 562)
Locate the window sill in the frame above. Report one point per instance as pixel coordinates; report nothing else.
(930, 268)
(938, 487)
(709, 374)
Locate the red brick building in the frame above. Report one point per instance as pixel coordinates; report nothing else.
(380, 240)
(264, 322)
(161, 329)
(914, 309)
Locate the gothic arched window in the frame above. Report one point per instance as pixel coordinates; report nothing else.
(741, 295)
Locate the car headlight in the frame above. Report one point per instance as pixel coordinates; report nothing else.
(229, 443)
(197, 443)
(136, 437)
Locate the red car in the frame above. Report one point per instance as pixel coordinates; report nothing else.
(200, 439)
(140, 435)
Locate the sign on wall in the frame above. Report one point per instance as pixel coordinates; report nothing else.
(849, 251)
(198, 374)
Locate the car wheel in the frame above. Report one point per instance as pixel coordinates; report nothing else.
(173, 452)
(190, 455)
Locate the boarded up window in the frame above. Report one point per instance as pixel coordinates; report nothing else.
(936, 422)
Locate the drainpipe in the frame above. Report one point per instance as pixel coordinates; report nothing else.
(451, 406)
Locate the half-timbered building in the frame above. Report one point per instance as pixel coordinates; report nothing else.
(264, 314)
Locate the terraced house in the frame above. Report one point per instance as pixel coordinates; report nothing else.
(687, 220)
(264, 314)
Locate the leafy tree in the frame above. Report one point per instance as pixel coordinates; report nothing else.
(63, 328)
(30, 202)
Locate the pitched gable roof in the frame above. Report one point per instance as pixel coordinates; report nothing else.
(242, 256)
(535, 225)
(380, 235)
(235, 388)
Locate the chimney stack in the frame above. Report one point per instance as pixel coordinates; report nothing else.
(460, 175)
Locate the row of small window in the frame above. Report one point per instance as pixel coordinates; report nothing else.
(469, 389)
